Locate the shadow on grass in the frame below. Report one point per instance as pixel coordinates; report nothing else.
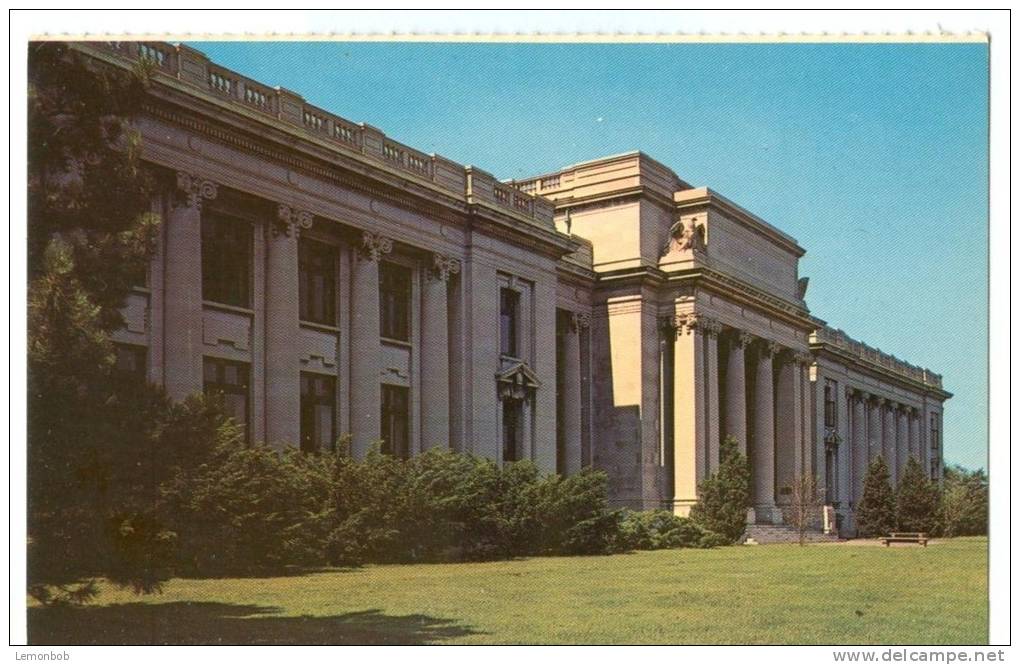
(224, 623)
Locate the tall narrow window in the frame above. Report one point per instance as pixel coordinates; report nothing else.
(509, 311)
(229, 380)
(226, 259)
(830, 403)
(317, 282)
(394, 302)
(395, 421)
(318, 412)
(933, 439)
(512, 409)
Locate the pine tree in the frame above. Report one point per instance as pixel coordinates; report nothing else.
(917, 500)
(724, 497)
(876, 513)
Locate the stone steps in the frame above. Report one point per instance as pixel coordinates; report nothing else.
(768, 534)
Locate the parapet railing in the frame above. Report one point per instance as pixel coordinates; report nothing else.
(841, 340)
(194, 68)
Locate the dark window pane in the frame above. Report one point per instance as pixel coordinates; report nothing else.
(317, 282)
(229, 381)
(511, 430)
(395, 421)
(318, 412)
(509, 306)
(131, 362)
(394, 302)
(226, 259)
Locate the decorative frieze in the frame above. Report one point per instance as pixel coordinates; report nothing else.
(290, 221)
(196, 189)
(443, 267)
(374, 246)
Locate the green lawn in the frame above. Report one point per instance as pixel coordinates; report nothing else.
(828, 594)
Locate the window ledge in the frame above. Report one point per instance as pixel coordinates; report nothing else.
(321, 327)
(395, 342)
(223, 307)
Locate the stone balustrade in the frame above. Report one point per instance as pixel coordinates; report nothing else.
(839, 339)
(194, 68)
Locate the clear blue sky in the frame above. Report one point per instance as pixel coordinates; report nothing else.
(873, 156)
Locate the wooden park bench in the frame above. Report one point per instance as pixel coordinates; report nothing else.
(912, 537)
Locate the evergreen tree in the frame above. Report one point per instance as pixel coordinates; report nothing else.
(876, 513)
(724, 497)
(91, 494)
(964, 502)
(917, 500)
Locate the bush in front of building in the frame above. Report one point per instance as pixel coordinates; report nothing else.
(660, 530)
(964, 502)
(876, 513)
(725, 496)
(917, 500)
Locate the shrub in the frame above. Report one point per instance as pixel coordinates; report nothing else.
(876, 513)
(657, 530)
(724, 497)
(917, 500)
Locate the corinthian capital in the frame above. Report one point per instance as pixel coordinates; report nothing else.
(579, 321)
(802, 358)
(769, 348)
(195, 188)
(711, 326)
(442, 267)
(741, 340)
(290, 221)
(374, 246)
(686, 324)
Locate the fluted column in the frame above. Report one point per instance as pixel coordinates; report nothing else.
(435, 364)
(689, 431)
(787, 443)
(860, 452)
(712, 330)
(902, 440)
(572, 392)
(736, 391)
(889, 441)
(365, 350)
(763, 465)
(183, 288)
(875, 427)
(283, 371)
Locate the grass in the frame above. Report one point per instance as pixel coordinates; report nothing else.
(779, 594)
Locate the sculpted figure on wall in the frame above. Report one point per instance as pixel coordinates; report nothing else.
(686, 234)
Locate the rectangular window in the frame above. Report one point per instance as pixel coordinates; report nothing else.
(512, 409)
(509, 312)
(317, 282)
(226, 259)
(318, 412)
(229, 381)
(394, 302)
(395, 421)
(830, 403)
(131, 363)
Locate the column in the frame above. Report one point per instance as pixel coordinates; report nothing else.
(874, 427)
(572, 392)
(860, 449)
(889, 441)
(435, 365)
(365, 351)
(902, 440)
(689, 431)
(283, 370)
(183, 288)
(763, 465)
(712, 330)
(787, 442)
(915, 436)
(844, 400)
(736, 393)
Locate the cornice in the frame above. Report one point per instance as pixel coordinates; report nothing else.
(878, 371)
(713, 199)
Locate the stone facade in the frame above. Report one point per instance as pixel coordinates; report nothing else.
(607, 315)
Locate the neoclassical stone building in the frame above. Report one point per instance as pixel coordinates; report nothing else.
(326, 279)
